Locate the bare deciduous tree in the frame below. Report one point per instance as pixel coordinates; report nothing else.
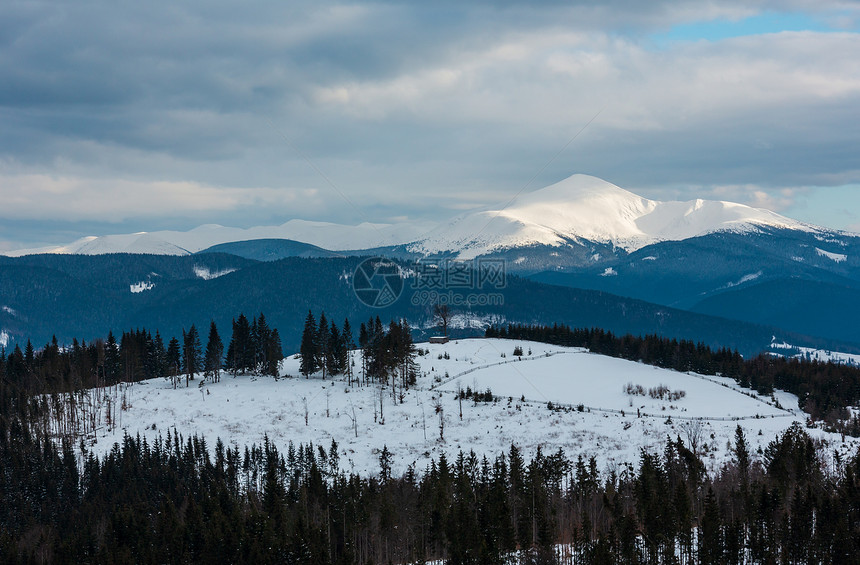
(693, 432)
(442, 314)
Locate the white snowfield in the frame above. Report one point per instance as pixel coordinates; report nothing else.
(580, 207)
(598, 418)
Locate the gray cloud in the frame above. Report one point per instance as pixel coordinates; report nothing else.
(217, 112)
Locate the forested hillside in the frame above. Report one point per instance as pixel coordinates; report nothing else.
(179, 500)
(84, 297)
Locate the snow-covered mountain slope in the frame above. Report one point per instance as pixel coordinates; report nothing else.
(583, 207)
(334, 237)
(580, 208)
(811, 354)
(593, 416)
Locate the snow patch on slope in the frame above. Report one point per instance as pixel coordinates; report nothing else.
(207, 275)
(139, 287)
(837, 257)
(811, 354)
(744, 279)
(9, 310)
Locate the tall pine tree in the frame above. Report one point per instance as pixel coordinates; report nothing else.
(308, 348)
(214, 353)
(191, 353)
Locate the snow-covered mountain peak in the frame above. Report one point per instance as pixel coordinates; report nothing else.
(583, 207)
(578, 188)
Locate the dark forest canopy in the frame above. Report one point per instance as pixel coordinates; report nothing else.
(179, 500)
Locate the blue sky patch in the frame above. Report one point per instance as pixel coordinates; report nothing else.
(760, 24)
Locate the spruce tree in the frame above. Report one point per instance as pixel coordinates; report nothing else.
(240, 353)
(710, 537)
(159, 356)
(173, 359)
(191, 353)
(274, 353)
(254, 359)
(113, 362)
(262, 336)
(214, 353)
(244, 344)
(308, 348)
(333, 355)
(30, 357)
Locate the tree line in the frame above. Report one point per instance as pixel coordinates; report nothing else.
(139, 354)
(387, 353)
(825, 390)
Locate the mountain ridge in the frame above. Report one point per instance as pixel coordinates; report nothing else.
(578, 210)
(583, 208)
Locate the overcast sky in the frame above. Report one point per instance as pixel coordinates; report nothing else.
(118, 117)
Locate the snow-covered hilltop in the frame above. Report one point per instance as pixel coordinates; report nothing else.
(580, 208)
(553, 397)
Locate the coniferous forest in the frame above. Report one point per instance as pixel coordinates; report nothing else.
(181, 500)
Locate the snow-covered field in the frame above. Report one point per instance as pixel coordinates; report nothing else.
(596, 416)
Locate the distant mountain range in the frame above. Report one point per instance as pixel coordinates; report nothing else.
(579, 211)
(84, 296)
(323, 234)
(706, 257)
